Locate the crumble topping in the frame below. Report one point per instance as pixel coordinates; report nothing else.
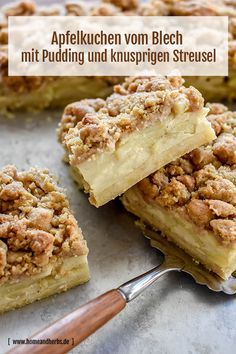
(92, 126)
(36, 224)
(105, 9)
(191, 8)
(22, 8)
(201, 7)
(154, 8)
(202, 184)
(75, 112)
(209, 8)
(124, 4)
(22, 84)
(75, 9)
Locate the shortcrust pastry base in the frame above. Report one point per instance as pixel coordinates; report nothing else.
(201, 244)
(109, 174)
(54, 279)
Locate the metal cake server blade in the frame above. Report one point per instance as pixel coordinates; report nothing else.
(177, 258)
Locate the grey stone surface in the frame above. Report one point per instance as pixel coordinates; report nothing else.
(174, 316)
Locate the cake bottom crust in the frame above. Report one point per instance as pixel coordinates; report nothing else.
(202, 245)
(54, 279)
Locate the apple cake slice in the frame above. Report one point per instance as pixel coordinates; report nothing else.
(192, 201)
(42, 250)
(147, 123)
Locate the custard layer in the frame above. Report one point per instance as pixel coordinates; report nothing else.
(201, 244)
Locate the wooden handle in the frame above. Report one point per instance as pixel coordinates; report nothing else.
(76, 326)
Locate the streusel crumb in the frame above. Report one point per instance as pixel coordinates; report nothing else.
(202, 184)
(75, 9)
(37, 226)
(22, 8)
(201, 7)
(92, 126)
(124, 4)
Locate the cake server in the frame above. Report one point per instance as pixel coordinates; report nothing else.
(88, 318)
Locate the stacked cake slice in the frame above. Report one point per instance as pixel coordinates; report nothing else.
(146, 123)
(192, 200)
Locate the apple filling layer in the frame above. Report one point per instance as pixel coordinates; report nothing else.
(53, 279)
(147, 122)
(192, 200)
(42, 250)
(202, 245)
(107, 175)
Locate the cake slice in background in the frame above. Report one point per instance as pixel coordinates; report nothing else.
(38, 93)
